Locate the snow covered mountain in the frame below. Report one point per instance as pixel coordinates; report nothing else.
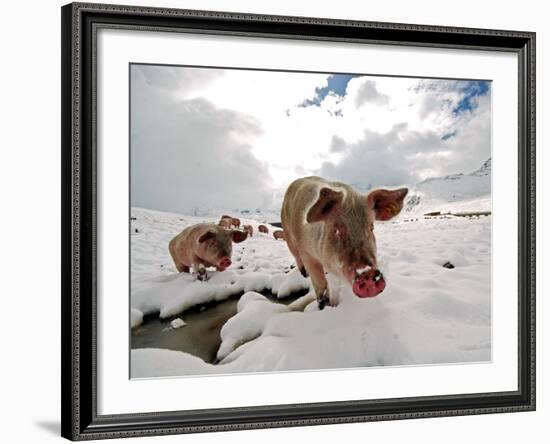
(452, 193)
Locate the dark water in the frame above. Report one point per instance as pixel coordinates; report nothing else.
(201, 336)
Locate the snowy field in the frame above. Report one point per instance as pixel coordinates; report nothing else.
(428, 314)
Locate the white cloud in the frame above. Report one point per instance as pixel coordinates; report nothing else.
(250, 124)
(414, 134)
(174, 79)
(367, 93)
(187, 154)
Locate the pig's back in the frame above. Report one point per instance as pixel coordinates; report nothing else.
(187, 238)
(299, 197)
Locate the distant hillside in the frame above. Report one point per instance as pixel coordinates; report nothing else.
(455, 192)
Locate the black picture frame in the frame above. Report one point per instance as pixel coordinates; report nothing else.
(80, 420)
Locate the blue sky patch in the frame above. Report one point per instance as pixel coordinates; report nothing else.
(471, 89)
(336, 84)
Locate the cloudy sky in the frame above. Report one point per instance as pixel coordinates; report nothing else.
(205, 138)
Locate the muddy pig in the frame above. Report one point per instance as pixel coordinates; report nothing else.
(279, 234)
(263, 229)
(329, 226)
(248, 229)
(225, 222)
(204, 245)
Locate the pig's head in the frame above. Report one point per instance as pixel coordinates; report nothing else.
(347, 243)
(215, 246)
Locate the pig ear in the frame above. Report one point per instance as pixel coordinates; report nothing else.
(386, 203)
(328, 203)
(206, 235)
(238, 236)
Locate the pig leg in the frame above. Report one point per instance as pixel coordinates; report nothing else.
(199, 270)
(318, 279)
(296, 255)
(202, 275)
(182, 268)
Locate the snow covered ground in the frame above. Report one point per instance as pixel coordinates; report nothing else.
(427, 314)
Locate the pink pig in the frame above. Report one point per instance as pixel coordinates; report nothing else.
(225, 222)
(249, 229)
(204, 245)
(329, 226)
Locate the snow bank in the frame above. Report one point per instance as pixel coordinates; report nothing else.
(147, 362)
(136, 317)
(253, 312)
(177, 294)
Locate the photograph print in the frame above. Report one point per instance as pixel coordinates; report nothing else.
(300, 221)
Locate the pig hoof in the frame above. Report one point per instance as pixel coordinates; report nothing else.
(323, 300)
(303, 272)
(202, 275)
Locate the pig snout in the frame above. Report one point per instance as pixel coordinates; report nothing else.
(369, 283)
(224, 263)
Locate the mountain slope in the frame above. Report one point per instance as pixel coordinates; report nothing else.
(452, 193)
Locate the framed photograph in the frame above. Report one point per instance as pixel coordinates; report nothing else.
(275, 221)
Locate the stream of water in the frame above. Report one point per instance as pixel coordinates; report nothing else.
(201, 336)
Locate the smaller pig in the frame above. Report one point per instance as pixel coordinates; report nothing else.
(235, 222)
(204, 245)
(225, 222)
(279, 234)
(248, 229)
(263, 229)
